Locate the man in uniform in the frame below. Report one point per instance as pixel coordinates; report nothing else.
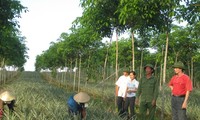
(148, 93)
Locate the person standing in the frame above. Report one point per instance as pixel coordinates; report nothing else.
(181, 86)
(132, 87)
(120, 91)
(148, 90)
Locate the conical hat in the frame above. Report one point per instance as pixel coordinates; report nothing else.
(82, 97)
(7, 96)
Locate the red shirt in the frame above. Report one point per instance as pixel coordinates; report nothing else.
(181, 84)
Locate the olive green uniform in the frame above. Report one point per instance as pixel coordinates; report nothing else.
(147, 91)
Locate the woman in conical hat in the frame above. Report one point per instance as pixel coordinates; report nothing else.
(6, 98)
(82, 97)
(76, 105)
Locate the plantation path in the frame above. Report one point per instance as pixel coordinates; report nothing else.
(36, 99)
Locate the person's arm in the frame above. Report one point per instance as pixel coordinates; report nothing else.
(170, 84)
(117, 86)
(11, 105)
(1, 109)
(171, 87)
(126, 92)
(189, 89)
(83, 113)
(135, 90)
(116, 90)
(184, 105)
(136, 87)
(82, 110)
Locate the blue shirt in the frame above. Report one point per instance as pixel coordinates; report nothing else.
(73, 105)
(132, 85)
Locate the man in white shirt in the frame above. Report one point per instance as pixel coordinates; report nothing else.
(120, 92)
(132, 87)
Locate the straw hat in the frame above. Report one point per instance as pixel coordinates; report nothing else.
(82, 97)
(7, 96)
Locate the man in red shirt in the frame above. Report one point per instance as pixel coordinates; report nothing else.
(181, 85)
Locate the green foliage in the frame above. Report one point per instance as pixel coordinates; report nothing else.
(101, 16)
(190, 11)
(12, 45)
(182, 46)
(149, 19)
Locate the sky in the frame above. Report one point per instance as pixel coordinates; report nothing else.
(44, 23)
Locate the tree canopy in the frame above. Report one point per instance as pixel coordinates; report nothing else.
(12, 44)
(149, 19)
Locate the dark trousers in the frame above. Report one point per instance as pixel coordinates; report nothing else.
(130, 103)
(120, 105)
(144, 106)
(177, 112)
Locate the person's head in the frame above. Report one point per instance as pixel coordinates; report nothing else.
(7, 96)
(82, 97)
(132, 75)
(149, 69)
(178, 67)
(125, 72)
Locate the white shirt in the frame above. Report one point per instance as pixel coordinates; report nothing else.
(122, 84)
(131, 85)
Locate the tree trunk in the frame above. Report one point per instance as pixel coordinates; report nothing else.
(192, 71)
(141, 63)
(188, 64)
(116, 64)
(161, 75)
(74, 86)
(161, 69)
(176, 59)
(165, 59)
(88, 72)
(79, 74)
(164, 74)
(104, 73)
(105, 66)
(65, 74)
(70, 70)
(133, 52)
(4, 75)
(2, 71)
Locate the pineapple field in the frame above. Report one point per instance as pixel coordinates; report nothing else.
(40, 98)
(36, 99)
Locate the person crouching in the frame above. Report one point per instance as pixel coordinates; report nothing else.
(6, 98)
(77, 105)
